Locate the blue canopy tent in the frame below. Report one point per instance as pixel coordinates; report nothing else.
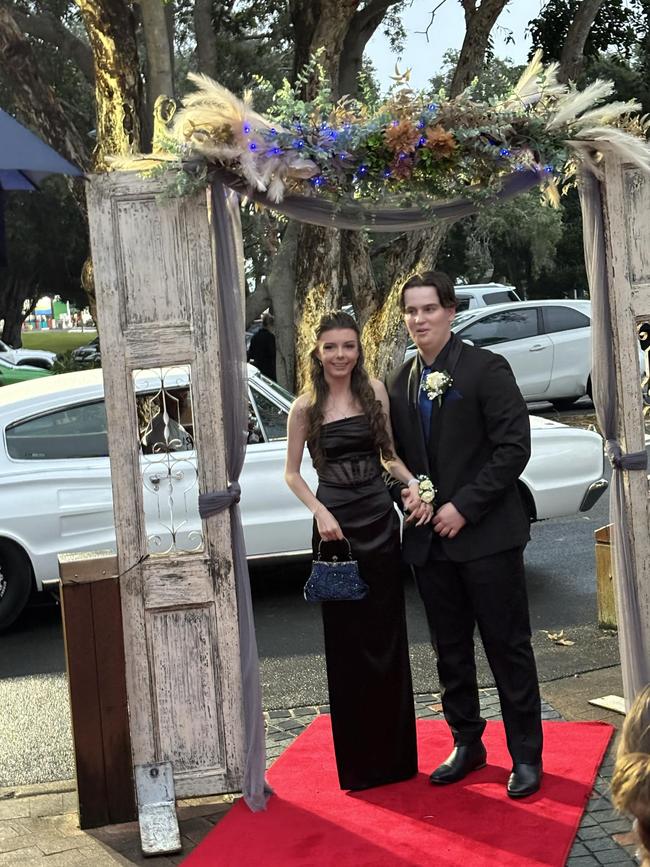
(25, 161)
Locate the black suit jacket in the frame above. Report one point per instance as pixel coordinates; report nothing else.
(482, 445)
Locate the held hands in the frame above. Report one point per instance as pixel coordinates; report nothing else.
(415, 509)
(448, 521)
(328, 527)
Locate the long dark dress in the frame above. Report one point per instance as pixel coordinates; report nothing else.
(366, 646)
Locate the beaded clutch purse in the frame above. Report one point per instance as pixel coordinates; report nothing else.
(335, 580)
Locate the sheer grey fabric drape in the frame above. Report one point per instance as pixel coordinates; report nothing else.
(230, 289)
(634, 661)
(362, 215)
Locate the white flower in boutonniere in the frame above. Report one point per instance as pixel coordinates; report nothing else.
(435, 384)
(426, 489)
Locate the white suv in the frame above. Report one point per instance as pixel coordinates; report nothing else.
(471, 295)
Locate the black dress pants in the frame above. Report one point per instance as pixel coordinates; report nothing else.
(490, 593)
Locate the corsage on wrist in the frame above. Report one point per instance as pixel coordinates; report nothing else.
(426, 489)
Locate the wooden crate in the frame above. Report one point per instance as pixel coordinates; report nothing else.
(94, 647)
(605, 595)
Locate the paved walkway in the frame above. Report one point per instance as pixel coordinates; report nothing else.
(39, 827)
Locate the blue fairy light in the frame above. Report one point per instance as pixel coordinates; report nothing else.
(433, 106)
(362, 170)
(504, 152)
(421, 124)
(252, 146)
(422, 141)
(276, 151)
(387, 172)
(299, 143)
(548, 169)
(247, 128)
(318, 181)
(394, 123)
(273, 131)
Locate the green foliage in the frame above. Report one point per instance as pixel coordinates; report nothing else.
(512, 242)
(46, 242)
(616, 25)
(65, 363)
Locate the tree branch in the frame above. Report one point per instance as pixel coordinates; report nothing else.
(48, 28)
(572, 56)
(34, 97)
(362, 27)
(479, 26)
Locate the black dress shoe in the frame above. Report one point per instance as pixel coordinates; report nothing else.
(524, 780)
(462, 759)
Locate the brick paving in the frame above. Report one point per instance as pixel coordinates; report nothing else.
(39, 827)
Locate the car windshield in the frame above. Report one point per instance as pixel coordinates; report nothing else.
(463, 318)
(278, 389)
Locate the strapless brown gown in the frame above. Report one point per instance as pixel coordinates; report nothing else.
(366, 645)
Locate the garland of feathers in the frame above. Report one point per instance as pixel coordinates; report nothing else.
(407, 145)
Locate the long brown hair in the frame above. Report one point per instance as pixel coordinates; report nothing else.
(631, 779)
(317, 390)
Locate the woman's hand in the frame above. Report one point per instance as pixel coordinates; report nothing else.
(328, 527)
(419, 512)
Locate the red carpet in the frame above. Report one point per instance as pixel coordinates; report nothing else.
(311, 823)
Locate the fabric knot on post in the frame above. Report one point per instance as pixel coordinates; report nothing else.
(621, 461)
(214, 502)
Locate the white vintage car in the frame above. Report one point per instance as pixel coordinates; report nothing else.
(55, 486)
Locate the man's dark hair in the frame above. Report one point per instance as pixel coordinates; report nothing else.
(267, 320)
(438, 279)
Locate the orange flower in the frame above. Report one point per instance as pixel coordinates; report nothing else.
(402, 137)
(440, 142)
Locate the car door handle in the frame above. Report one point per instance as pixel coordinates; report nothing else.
(537, 347)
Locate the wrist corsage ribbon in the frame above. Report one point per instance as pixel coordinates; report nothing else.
(435, 384)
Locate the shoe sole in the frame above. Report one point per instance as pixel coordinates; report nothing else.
(451, 782)
(517, 795)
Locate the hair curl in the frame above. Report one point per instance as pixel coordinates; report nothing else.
(317, 390)
(631, 779)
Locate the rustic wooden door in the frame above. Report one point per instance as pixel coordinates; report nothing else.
(154, 272)
(626, 213)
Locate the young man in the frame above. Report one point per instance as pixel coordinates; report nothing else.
(469, 433)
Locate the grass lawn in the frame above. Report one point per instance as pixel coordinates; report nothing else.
(56, 341)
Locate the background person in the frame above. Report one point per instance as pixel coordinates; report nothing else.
(261, 351)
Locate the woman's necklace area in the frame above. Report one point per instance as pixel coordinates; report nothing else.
(336, 413)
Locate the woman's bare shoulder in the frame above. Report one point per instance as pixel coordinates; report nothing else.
(379, 388)
(300, 404)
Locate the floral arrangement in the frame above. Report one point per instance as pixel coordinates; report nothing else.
(426, 489)
(435, 384)
(408, 147)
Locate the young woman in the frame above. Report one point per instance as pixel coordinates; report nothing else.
(343, 416)
(631, 780)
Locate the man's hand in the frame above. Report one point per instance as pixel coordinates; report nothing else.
(415, 510)
(448, 521)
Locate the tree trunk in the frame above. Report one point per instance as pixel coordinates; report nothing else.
(281, 287)
(572, 56)
(34, 98)
(118, 91)
(13, 294)
(160, 78)
(479, 23)
(206, 46)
